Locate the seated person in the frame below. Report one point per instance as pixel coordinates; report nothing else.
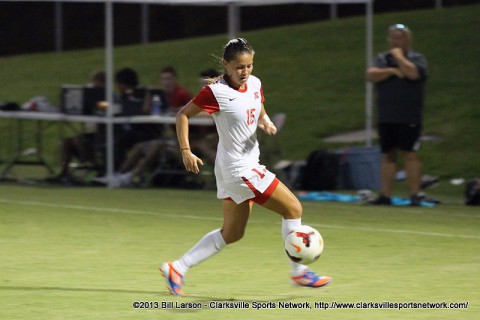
(133, 101)
(144, 155)
(204, 139)
(81, 146)
(177, 96)
(141, 158)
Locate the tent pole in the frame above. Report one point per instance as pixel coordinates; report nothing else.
(333, 11)
(109, 91)
(368, 84)
(233, 20)
(58, 26)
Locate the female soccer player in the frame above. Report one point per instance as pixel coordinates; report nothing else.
(236, 103)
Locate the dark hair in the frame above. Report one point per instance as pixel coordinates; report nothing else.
(98, 79)
(99, 75)
(127, 76)
(169, 69)
(209, 73)
(236, 47)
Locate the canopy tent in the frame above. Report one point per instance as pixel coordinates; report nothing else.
(233, 27)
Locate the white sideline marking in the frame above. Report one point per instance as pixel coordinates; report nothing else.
(401, 231)
(113, 210)
(171, 215)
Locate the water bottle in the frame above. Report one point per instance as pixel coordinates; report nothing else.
(156, 105)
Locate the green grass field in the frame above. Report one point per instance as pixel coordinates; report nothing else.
(89, 253)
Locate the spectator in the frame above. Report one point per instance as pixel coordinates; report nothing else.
(81, 146)
(145, 154)
(177, 96)
(98, 79)
(204, 139)
(140, 159)
(399, 76)
(133, 102)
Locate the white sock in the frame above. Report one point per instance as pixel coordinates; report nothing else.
(207, 247)
(125, 178)
(289, 225)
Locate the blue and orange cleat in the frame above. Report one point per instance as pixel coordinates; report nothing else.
(310, 279)
(173, 279)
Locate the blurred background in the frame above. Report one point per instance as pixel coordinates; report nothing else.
(27, 27)
(44, 45)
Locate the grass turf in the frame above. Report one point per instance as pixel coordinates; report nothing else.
(74, 253)
(89, 253)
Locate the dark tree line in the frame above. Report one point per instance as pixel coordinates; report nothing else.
(27, 27)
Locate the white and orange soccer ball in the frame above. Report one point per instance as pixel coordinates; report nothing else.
(304, 245)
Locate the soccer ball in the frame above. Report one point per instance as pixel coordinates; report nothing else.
(304, 245)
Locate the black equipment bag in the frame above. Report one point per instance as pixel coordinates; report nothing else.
(472, 192)
(321, 171)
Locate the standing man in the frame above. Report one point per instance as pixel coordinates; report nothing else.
(399, 76)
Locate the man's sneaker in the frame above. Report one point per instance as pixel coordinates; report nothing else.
(416, 199)
(310, 279)
(173, 279)
(382, 200)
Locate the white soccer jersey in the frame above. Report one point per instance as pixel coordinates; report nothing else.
(236, 114)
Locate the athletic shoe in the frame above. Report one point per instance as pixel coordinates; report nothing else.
(416, 200)
(173, 279)
(123, 179)
(382, 200)
(118, 179)
(310, 279)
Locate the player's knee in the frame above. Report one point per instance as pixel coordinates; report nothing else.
(232, 236)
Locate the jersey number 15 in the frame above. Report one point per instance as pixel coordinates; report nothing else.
(251, 116)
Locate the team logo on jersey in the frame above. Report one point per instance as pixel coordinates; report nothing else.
(256, 95)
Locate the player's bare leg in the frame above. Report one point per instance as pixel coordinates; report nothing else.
(285, 203)
(235, 218)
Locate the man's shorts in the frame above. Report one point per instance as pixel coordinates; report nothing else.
(257, 185)
(405, 137)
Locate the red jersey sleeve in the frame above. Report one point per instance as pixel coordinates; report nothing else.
(261, 93)
(206, 100)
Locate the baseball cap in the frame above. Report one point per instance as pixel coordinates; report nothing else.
(399, 26)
